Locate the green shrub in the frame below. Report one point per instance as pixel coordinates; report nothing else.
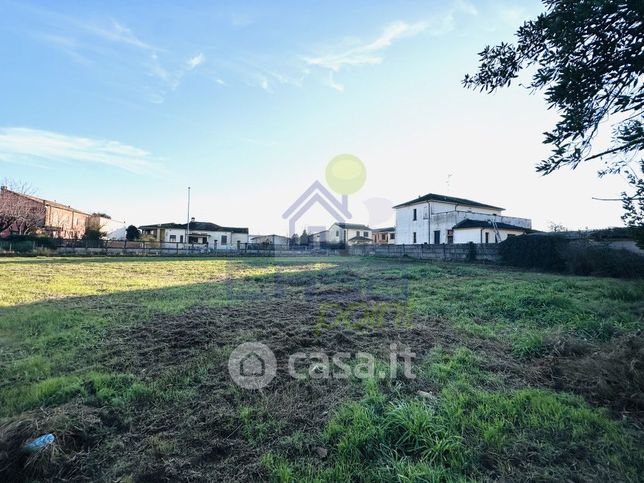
(579, 257)
(25, 243)
(534, 251)
(583, 258)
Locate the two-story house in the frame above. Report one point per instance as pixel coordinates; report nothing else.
(349, 234)
(436, 219)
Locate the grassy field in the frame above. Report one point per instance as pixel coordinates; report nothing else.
(519, 375)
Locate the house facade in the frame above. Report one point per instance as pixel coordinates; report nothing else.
(349, 234)
(318, 238)
(436, 219)
(42, 216)
(384, 236)
(210, 235)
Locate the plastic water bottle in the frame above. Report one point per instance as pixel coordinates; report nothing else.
(39, 443)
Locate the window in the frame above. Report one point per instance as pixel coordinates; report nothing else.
(437, 237)
(337, 233)
(392, 236)
(487, 237)
(173, 238)
(180, 238)
(224, 239)
(450, 236)
(414, 235)
(415, 215)
(366, 234)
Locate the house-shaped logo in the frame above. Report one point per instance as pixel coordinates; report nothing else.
(346, 175)
(317, 193)
(252, 365)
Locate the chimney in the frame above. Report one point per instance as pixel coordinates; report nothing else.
(3, 188)
(192, 220)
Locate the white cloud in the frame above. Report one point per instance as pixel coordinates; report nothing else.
(221, 82)
(25, 145)
(117, 33)
(373, 52)
(367, 53)
(195, 61)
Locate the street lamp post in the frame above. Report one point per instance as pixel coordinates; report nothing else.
(188, 223)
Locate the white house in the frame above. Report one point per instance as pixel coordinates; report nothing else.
(204, 233)
(436, 219)
(113, 229)
(349, 233)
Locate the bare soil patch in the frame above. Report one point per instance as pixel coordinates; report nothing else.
(609, 375)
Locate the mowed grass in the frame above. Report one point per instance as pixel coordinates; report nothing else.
(58, 315)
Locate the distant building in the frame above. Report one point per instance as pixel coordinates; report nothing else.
(112, 229)
(269, 240)
(46, 217)
(349, 233)
(204, 233)
(384, 236)
(344, 233)
(436, 219)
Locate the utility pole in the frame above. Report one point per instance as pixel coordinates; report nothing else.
(188, 224)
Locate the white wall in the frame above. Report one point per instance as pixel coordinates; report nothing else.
(114, 229)
(477, 235)
(341, 236)
(467, 235)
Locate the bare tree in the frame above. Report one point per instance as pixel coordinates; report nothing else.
(556, 227)
(17, 209)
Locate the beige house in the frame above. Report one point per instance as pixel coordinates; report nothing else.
(384, 236)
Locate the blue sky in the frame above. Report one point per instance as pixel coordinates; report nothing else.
(119, 106)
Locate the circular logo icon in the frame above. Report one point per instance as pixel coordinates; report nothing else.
(252, 365)
(346, 174)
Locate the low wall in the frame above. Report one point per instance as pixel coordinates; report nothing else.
(459, 252)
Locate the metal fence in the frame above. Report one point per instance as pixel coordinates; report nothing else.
(61, 246)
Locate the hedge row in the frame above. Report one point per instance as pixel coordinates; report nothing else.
(579, 257)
